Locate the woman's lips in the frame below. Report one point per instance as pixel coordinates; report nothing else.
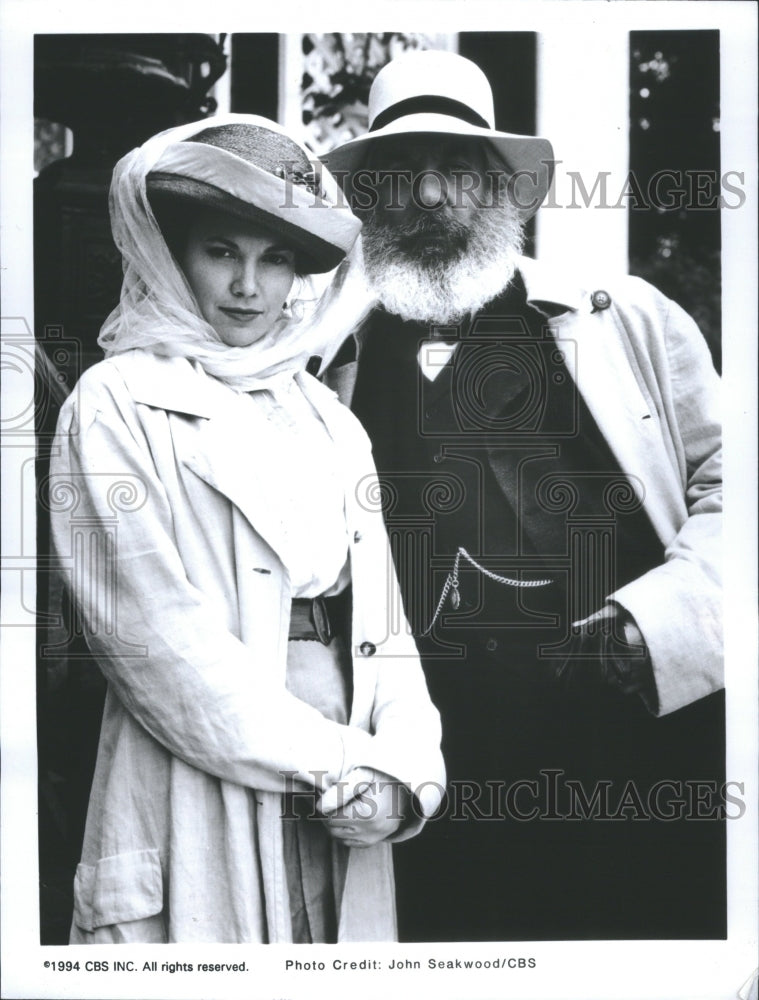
(240, 315)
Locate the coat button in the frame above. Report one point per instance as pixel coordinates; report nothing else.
(600, 300)
(356, 536)
(367, 649)
(491, 645)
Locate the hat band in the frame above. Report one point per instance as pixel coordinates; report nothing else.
(253, 185)
(428, 104)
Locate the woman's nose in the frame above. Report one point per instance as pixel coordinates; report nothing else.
(245, 281)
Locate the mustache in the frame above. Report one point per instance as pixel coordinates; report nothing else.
(434, 286)
(404, 230)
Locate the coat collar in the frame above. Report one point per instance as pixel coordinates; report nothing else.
(172, 384)
(232, 444)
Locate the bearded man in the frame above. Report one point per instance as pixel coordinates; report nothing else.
(549, 455)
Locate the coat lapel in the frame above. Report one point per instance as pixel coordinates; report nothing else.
(228, 444)
(235, 453)
(596, 355)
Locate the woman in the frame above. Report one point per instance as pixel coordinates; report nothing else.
(211, 502)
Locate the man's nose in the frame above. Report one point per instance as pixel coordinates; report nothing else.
(431, 188)
(245, 281)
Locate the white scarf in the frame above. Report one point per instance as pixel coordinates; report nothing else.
(158, 311)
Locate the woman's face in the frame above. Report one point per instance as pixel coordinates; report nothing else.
(240, 274)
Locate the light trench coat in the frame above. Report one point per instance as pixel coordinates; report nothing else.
(644, 370)
(165, 522)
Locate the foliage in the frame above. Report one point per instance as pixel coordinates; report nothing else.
(338, 71)
(674, 127)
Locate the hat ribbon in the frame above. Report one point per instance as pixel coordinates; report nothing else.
(428, 104)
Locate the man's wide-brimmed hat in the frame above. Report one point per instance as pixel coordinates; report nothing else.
(251, 169)
(435, 91)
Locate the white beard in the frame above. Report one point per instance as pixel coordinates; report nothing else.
(442, 292)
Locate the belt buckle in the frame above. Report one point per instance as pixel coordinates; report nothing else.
(320, 620)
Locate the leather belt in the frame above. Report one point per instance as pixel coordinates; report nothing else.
(317, 618)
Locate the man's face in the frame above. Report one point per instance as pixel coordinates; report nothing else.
(439, 239)
(429, 191)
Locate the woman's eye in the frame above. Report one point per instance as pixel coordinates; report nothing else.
(279, 259)
(219, 252)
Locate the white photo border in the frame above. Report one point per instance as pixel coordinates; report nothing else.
(661, 970)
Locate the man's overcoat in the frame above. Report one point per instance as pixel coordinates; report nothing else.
(645, 372)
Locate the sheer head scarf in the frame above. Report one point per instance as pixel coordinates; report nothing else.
(157, 311)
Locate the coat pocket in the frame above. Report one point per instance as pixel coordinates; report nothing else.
(117, 889)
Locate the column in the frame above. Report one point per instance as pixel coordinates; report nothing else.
(583, 108)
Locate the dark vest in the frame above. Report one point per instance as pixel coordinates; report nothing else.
(499, 455)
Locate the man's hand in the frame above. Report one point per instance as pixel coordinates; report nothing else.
(364, 808)
(607, 650)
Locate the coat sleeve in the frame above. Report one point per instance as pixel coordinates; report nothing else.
(678, 605)
(178, 670)
(407, 738)
(402, 718)
(406, 726)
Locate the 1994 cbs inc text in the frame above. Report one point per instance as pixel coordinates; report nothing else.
(344, 963)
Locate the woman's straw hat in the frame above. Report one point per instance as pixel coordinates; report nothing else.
(251, 169)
